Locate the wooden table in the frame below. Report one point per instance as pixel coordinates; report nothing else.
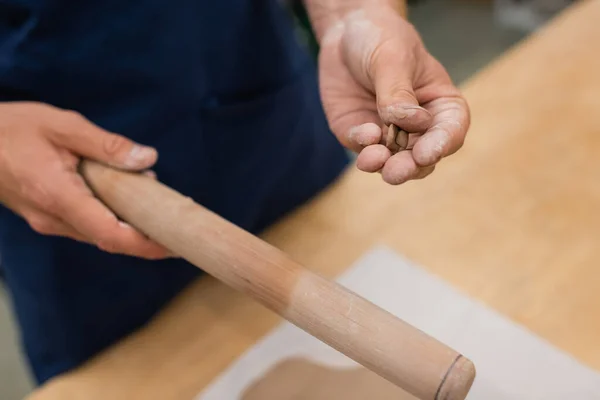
(513, 220)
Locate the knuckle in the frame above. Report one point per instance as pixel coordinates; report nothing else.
(460, 142)
(107, 246)
(41, 197)
(114, 144)
(397, 94)
(44, 107)
(68, 121)
(73, 115)
(152, 255)
(109, 242)
(40, 224)
(36, 106)
(375, 59)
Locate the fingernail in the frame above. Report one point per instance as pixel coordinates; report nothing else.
(150, 174)
(140, 155)
(401, 111)
(124, 225)
(355, 135)
(440, 141)
(433, 149)
(105, 247)
(411, 112)
(353, 132)
(365, 134)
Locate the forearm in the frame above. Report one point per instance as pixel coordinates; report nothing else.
(325, 14)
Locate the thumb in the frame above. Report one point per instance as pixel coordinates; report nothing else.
(392, 73)
(76, 133)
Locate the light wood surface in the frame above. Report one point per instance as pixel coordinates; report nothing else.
(512, 219)
(373, 337)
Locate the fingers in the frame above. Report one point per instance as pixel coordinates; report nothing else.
(393, 81)
(447, 133)
(395, 169)
(40, 181)
(150, 174)
(408, 117)
(85, 219)
(84, 138)
(400, 168)
(424, 172)
(373, 158)
(48, 225)
(364, 135)
(88, 216)
(441, 124)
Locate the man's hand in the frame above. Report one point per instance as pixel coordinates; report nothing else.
(40, 148)
(375, 71)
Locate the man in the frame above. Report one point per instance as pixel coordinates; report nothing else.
(222, 91)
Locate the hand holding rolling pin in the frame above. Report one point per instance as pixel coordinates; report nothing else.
(40, 149)
(385, 96)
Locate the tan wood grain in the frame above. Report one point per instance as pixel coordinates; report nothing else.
(512, 219)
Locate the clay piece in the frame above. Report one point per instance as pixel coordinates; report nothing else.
(397, 139)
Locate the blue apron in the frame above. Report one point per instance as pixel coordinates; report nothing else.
(222, 90)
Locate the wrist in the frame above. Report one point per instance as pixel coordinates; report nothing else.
(326, 14)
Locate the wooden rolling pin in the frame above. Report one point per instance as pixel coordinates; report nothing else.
(371, 336)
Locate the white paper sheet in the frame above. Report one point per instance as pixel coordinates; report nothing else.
(512, 363)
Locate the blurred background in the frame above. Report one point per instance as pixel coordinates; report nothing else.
(465, 35)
